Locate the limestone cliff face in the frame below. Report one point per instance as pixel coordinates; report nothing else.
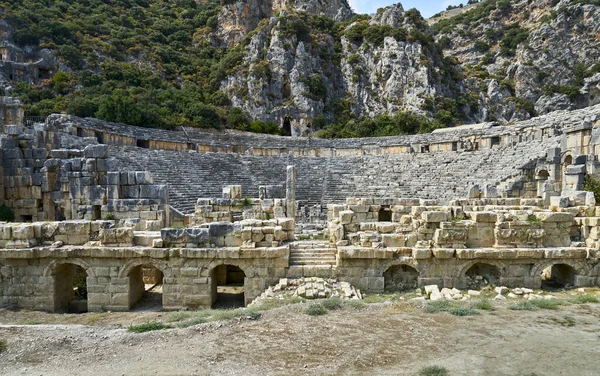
(286, 78)
(551, 69)
(296, 77)
(391, 77)
(238, 18)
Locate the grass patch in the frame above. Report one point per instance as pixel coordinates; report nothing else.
(332, 303)
(3, 346)
(433, 371)
(269, 304)
(192, 321)
(583, 299)
(463, 311)
(190, 318)
(315, 309)
(438, 306)
(375, 298)
(535, 304)
(566, 320)
(356, 304)
(148, 327)
(484, 305)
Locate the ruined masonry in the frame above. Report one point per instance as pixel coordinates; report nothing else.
(107, 215)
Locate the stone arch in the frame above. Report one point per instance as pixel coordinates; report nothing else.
(228, 286)
(400, 277)
(480, 273)
(559, 274)
(567, 159)
(158, 264)
(145, 283)
(51, 268)
(70, 282)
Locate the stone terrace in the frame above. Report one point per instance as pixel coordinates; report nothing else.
(320, 180)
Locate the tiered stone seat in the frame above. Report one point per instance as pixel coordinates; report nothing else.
(321, 180)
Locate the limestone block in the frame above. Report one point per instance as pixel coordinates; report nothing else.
(22, 232)
(346, 217)
(385, 228)
(484, 217)
(287, 224)
(443, 253)
(142, 178)
(569, 253)
(421, 253)
(393, 240)
(434, 216)
(555, 217)
(95, 151)
(559, 202)
(74, 228)
(232, 192)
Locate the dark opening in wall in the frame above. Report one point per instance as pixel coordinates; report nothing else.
(79, 132)
(454, 146)
(400, 278)
(558, 277)
(26, 218)
(191, 146)
(228, 286)
(385, 214)
(70, 289)
(425, 149)
(494, 141)
(287, 127)
(96, 212)
(143, 144)
(99, 137)
(146, 288)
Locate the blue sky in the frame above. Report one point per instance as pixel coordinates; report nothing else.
(427, 7)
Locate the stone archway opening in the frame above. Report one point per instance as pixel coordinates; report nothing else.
(400, 278)
(146, 288)
(558, 277)
(481, 275)
(228, 287)
(70, 289)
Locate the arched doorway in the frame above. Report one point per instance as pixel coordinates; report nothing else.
(400, 278)
(228, 287)
(558, 277)
(481, 275)
(286, 128)
(70, 289)
(540, 178)
(146, 288)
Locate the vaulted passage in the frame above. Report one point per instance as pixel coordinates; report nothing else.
(145, 288)
(481, 275)
(228, 287)
(400, 278)
(70, 289)
(558, 276)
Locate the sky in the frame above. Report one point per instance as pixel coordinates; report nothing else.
(427, 7)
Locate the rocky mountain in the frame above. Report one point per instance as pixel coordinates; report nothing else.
(302, 65)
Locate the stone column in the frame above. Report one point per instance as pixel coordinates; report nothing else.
(290, 192)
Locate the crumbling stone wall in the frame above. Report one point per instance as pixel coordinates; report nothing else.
(42, 182)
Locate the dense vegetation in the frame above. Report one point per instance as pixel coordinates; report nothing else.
(140, 62)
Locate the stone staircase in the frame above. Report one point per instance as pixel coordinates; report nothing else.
(312, 253)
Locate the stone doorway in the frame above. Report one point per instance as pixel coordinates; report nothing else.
(481, 275)
(385, 214)
(70, 289)
(558, 277)
(146, 288)
(228, 287)
(400, 278)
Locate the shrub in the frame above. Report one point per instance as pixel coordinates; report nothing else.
(332, 303)
(585, 298)
(484, 304)
(6, 214)
(315, 309)
(463, 311)
(148, 327)
(438, 306)
(433, 371)
(3, 346)
(590, 184)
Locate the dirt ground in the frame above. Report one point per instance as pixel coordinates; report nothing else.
(382, 338)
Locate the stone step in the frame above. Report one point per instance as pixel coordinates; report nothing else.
(146, 238)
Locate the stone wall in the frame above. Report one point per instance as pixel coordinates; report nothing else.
(43, 181)
(450, 245)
